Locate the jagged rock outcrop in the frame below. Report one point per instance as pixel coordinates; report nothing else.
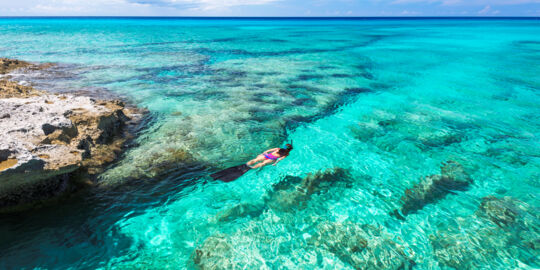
(49, 140)
(432, 188)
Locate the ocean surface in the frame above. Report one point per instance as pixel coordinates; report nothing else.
(374, 108)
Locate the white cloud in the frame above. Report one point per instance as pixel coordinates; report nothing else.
(464, 2)
(485, 10)
(444, 2)
(409, 13)
(204, 4)
(121, 7)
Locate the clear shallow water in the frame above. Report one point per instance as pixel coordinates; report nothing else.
(385, 100)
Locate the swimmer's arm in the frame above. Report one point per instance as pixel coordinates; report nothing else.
(270, 150)
(278, 160)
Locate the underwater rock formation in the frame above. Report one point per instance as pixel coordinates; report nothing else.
(511, 214)
(219, 252)
(294, 192)
(361, 246)
(503, 231)
(386, 130)
(240, 210)
(289, 194)
(49, 140)
(432, 188)
(503, 212)
(215, 253)
(470, 250)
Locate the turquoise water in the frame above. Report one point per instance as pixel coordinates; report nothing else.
(373, 107)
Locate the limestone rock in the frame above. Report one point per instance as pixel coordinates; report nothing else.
(49, 140)
(7, 65)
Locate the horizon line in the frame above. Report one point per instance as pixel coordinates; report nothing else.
(275, 17)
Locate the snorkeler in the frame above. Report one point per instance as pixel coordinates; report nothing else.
(269, 156)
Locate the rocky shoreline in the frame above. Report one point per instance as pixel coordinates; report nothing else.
(54, 143)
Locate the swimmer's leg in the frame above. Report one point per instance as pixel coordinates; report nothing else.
(264, 163)
(257, 159)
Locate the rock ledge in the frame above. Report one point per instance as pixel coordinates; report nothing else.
(53, 142)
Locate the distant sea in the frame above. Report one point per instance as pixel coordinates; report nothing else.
(374, 108)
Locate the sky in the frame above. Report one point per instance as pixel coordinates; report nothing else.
(269, 7)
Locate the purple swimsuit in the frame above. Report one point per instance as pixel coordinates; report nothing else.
(270, 156)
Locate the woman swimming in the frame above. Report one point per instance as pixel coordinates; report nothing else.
(269, 156)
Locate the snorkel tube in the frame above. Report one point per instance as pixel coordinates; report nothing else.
(289, 146)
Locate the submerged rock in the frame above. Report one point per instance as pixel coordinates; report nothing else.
(215, 253)
(8, 65)
(241, 210)
(225, 252)
(424, 130)
(432, 188)
(502, 212)
(289, 194)
(294, 192)
(361, 246)
(460, 248)
(515, 217)
(50, 140)
(502, 230)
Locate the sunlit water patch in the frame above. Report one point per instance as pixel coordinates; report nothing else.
(416, 143)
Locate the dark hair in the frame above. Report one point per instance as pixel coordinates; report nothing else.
(285, 152)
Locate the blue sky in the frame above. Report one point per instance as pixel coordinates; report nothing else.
(269, 7)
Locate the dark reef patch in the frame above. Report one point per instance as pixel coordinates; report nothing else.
(292, 51)
(433, 188)
(380, 86)
(293, 192)
(309, 77)
(338, 75)
(502, 229)
(349, 95)
(308, 89)
(368, 75)
(362, 246)
(267, 73)
(304, 102)
(224, 39)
